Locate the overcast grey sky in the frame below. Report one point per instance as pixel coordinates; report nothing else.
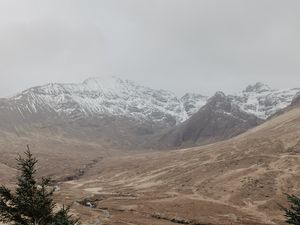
(179, 45)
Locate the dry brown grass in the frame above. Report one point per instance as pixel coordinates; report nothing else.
(239, 181)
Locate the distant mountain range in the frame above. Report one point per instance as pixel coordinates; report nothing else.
(107, 96)
(124, 114)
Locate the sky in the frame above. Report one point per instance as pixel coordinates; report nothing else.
(180, 45)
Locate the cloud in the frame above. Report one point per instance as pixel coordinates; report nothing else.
(194, 45)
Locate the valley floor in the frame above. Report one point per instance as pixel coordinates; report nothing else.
(238, 181)
(181, 187)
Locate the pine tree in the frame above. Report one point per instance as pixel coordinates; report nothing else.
(62, 217)
(292, 213)
(32, 203)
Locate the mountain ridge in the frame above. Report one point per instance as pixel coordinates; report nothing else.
(258, 99)
(109, 95)
(101, 108)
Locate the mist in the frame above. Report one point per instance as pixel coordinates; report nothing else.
(183, 46)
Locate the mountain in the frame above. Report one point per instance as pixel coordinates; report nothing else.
(223, 117)
(120, 113)
(220, 118)
(106, 110)
(102, 96)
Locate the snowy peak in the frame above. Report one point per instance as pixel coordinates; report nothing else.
(110, 96)
(91, 85)
(259, 99)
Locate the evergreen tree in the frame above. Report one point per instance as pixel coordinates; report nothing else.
(63, 218)
(292, 213)
(32, 203)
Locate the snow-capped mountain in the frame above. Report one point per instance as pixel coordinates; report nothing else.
(104, 110)
(261, 100)
(112, 96)
(105, 107)
(107, 96)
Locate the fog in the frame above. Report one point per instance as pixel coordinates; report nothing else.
(180, 45)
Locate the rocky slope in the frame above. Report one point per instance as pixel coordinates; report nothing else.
(296, 100)
(193, 102)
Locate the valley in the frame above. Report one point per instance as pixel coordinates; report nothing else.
(149, 112)
(237, 178)
(239, 181)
